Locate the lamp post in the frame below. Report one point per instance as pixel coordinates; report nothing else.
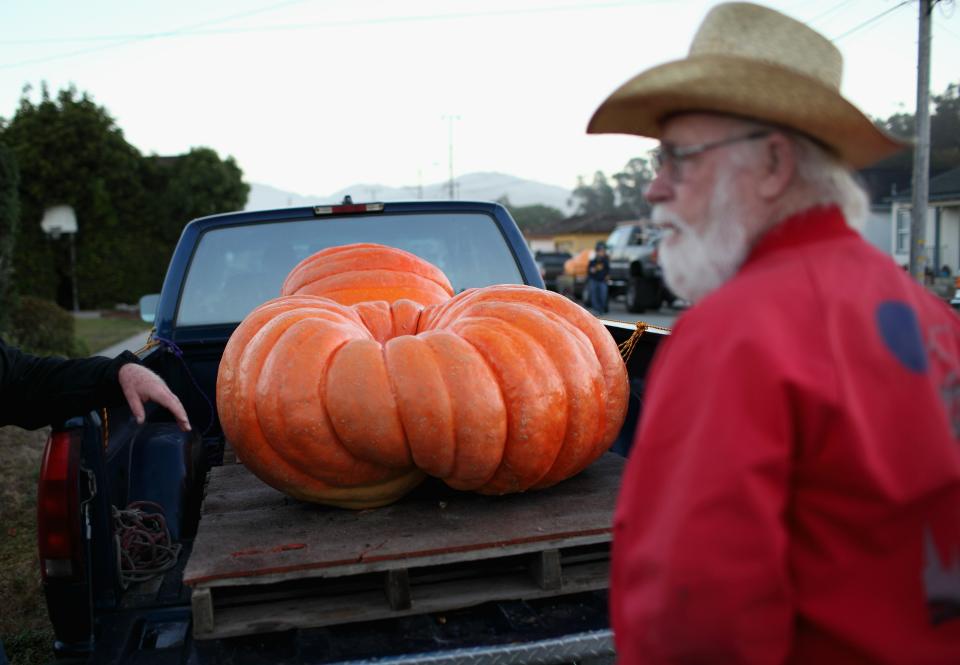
(61, 220)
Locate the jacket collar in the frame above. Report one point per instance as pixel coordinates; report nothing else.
(804, 228)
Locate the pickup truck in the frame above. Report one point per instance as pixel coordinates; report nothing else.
(157, 546)
(551, 266)
(634, 271)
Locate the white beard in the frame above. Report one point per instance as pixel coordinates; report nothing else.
(694, 264)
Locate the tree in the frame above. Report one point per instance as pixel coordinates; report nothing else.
(9, 220)
(944, 133)
(70, 152)
(197, 184)
(945, 129)
(188, 186)
(130, 209)
(531, 217)
(632, 182)
(597, 198)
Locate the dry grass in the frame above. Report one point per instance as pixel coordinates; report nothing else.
(24, 626)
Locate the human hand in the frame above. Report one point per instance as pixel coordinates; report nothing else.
(141, 385)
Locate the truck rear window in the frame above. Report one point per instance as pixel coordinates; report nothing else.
(236, 268)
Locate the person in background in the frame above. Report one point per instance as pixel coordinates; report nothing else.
(793, 491)
(597, 272)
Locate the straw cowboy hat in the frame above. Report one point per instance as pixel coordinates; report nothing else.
(753, 62)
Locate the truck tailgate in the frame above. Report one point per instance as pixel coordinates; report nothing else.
(263, 562)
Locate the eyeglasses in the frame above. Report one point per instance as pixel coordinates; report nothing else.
(669, 157)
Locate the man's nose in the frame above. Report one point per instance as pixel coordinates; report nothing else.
(659, 190)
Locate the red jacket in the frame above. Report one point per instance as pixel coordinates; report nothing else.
(793, 493)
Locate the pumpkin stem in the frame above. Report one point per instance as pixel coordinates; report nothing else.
(626, 349)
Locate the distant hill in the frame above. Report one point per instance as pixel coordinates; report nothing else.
(472, 187)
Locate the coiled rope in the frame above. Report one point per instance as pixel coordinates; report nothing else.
(144, 546)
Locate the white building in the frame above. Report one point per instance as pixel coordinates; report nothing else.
(942, 242)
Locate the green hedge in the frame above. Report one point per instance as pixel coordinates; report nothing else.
(9, 217)
(42, 327)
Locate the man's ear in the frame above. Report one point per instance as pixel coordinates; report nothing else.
(778, 165)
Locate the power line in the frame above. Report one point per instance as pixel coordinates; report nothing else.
(941, 26)
(193, 31)
(803, 4)
(151, 35)
(870, 20)
(828, 12)
(68, 54)
(185, 30)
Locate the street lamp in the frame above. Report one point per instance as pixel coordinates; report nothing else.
(60, 220)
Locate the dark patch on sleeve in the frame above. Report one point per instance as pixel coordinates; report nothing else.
(899, 327)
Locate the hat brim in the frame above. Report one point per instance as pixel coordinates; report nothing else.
(748, 88)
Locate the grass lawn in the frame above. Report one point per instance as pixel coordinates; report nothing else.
(24, 626)
(100, 333)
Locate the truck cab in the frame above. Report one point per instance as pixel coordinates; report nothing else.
(634, 270)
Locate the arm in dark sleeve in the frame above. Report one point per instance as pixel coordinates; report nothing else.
(37, 391)
(599, 268)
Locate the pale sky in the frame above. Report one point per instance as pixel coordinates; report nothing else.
(311, 96)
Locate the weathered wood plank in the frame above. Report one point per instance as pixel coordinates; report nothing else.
(251, 533)
(314, 612)
(201, 603)
(229, 454)
(545, 569)
(397, 587)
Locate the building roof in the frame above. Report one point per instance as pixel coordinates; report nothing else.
(579, 224)
(884, 182)
(942, 187)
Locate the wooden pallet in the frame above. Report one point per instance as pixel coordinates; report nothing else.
(264, 562)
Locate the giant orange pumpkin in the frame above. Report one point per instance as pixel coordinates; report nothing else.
(366, 374)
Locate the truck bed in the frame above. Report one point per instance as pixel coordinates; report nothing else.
(263, 562)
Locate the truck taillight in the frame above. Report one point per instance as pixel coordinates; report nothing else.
(348, 208)
(58, 507)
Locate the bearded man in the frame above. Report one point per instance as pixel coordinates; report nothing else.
(793, 493)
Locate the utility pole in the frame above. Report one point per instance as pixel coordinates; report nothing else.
(451, 185)
(921, 152)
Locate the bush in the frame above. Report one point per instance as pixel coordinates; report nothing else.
(9, 218)
(42, 327)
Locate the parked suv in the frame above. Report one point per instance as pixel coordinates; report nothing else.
(551, 266)
(634, 270)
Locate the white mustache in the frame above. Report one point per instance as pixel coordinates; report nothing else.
(698, 260)
(662, 217)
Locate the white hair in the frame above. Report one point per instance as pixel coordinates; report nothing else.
(696, 262)
(820, 179)
(824, 180)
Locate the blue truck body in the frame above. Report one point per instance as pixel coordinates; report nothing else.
(99, 616)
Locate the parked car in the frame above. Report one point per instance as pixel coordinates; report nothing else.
(551, 266)
(634, 270)
(955, 300)
(574, 277)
